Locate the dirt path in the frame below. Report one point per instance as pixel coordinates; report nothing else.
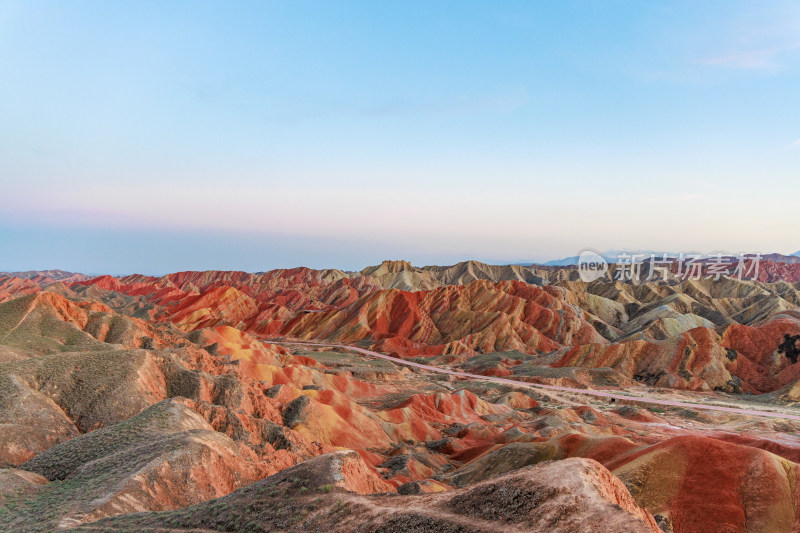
(588, 392)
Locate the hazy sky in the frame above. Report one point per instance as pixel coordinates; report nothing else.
(162, 136)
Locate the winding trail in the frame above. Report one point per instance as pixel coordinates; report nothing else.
(588, 392)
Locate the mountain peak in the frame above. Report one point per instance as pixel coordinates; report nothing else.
(388, 267)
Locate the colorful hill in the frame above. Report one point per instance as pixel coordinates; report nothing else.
(209, 400)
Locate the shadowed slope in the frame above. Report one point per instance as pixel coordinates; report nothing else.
(163, 458)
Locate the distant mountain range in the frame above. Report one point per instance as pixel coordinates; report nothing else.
(55, 275)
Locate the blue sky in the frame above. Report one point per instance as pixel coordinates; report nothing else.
(162, 136)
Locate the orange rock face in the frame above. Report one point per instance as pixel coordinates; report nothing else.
(704, 484)
(741, 358)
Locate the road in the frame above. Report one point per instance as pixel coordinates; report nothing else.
(588, 392)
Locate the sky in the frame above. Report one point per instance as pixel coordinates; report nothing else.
(154, 137)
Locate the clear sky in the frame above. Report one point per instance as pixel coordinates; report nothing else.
(161, 136)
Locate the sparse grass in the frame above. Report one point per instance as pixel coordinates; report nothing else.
(338, 507)
(687, 413)
(348, 361)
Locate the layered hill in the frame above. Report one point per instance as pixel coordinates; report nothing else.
(682, 334)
